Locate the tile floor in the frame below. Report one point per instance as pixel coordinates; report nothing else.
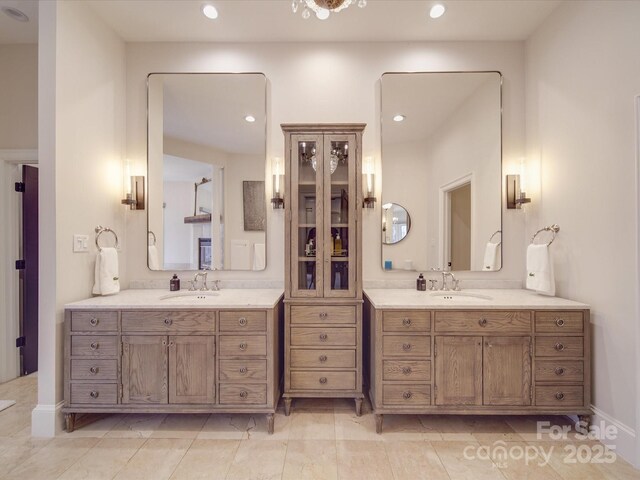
(320, 440)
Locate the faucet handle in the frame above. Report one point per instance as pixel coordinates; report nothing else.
(434, 284)
(456, 285)
(192, 285)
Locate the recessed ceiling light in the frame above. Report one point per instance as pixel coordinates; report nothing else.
(15, 14)
(250, 118)
(398, 118)
(437, 11)
(210, 11)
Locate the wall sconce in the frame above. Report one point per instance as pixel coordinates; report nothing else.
(368, 183)
(515, 197)
(134, 196)
(277, 168)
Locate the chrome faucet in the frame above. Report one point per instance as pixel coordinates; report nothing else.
(216, 286)
(194, 286)
(456, 283)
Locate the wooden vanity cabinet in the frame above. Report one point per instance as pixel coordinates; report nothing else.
(505, 362)
(323, 264)
(172, 361)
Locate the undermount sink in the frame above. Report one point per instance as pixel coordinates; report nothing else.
(189, 295)
(460, 297)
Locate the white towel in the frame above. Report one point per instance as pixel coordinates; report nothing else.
(259, 258)
(153, 259)
(540, 270)
(491, 261)
(106, 273)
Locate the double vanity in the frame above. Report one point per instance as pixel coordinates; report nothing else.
(505, 352)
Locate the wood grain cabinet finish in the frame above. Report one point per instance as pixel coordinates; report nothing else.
(516, 362)
(323, 263)
(170, 361)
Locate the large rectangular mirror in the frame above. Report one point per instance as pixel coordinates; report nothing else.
(206, 171)
(441, 171)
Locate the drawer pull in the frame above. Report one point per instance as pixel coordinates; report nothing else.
(243, 370)
(244, 394)
(407, 395)
(94, 370)
(242, 321)
(94, 322)
(323, 380)
(559, 346)
(94, 394)
(323, 337)
(323, 315)
(406, 347)
(559, 322)
(168, 321)
(94, 345)
(323, 358)
(243, 346)
(406, 322)
(406, 370)
(482, 322)
(559, 396)
(559, 371)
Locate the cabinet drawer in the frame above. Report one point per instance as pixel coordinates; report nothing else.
(322, 380)
(560, 395)
(406, 321)
(243, 321)
(94, 321)
(301, 358)
(97, 393)
(238, 370)
(406, 345)
(95, 369)
(482, 322)
(559, 346)
(169, 322)
(406, 394)
(559, 371)
(301, 314)
(94, 345)
(239, 394)
(559, 322)
(243, 345)
(320, 337)
(416, 370)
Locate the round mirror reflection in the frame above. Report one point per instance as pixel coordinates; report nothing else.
(396, 223)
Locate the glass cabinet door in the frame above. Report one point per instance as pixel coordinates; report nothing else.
(340, 197)
(307, 247)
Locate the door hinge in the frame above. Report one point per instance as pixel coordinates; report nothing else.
(20, 187)
(20, 342)
(20, 265)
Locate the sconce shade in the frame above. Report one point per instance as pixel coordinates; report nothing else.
(515, 197)
(135, 199)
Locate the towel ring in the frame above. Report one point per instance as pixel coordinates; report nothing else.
(100, 230)
(555, 228)
(496, 233)
(154, 237)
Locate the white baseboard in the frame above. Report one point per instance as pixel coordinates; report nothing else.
(47, 420)
(625, 441)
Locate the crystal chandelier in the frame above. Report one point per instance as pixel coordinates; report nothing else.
(323, 8)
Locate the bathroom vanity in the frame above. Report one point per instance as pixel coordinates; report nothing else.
(151, 351)
(504, 352)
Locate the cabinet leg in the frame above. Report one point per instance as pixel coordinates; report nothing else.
(270, 422)
(70, 421)
(358, 406)
(287, 406)
(585, 421)
(379, 420)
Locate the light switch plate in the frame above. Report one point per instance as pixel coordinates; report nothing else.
(80, 243)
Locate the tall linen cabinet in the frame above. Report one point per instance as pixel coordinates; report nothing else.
(323, 262)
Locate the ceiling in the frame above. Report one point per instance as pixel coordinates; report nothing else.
(273, 21)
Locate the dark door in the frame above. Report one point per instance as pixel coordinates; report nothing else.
(29, 295)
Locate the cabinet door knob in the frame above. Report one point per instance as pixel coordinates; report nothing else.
(243, 370)
(559, 322)
(406, 370)
(243, 346)
(168, 321)
(407, 395)
(406, 347)
(323, 315)
(406, 322)
(244, 394)
(242, 321)
(94, 394)
(559, 346)
(559, 396)
(94, 346)
(94, 322)
(323, 380)
(323, 358)
(482, 322)
(94, 370)
(323, 337)
(559, 371)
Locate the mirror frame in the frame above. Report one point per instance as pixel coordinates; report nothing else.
(501, 96)
(266, 132)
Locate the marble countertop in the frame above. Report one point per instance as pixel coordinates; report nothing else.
(149, 299)
(485, 299)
